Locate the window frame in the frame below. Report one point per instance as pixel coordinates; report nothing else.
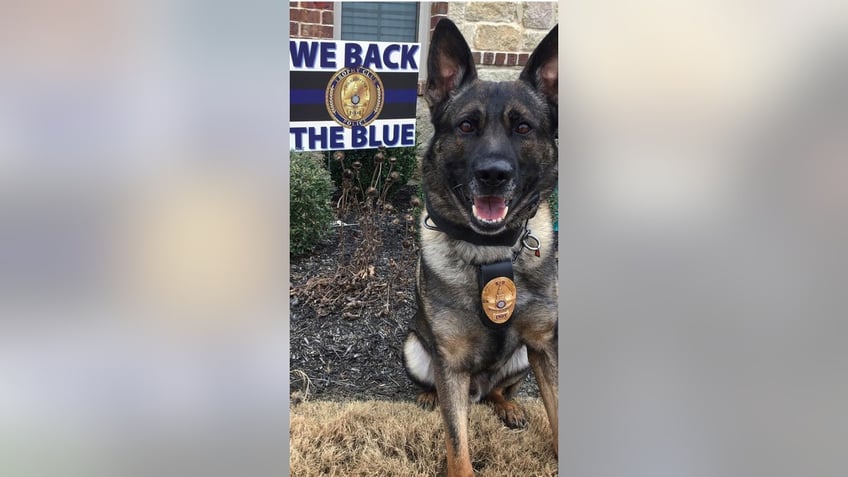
(423, 32)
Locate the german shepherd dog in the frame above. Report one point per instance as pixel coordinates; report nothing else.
(486, 275)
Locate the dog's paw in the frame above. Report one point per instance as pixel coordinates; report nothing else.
(427, 400)
(510, 413)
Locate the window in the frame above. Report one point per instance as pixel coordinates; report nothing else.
(379, 21)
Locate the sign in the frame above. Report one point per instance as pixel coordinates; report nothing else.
(352, 95)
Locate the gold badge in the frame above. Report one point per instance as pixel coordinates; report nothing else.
(354, 96)
(498, 297)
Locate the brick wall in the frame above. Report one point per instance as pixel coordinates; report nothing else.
(311, 20)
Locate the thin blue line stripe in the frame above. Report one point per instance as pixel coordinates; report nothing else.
(316, 96)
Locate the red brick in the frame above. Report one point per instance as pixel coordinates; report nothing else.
(477, 56)
(439, 8)
(434, 20)
(317, 5)
(522, 59)
(305, 16)
(511, 59)
(488, 58)
(500, 59)
(327, 17)
(311, 30)
(293, 29)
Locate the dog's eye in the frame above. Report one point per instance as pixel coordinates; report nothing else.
(466, 127)
(523, 128)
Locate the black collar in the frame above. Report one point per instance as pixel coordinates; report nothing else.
(507, 238)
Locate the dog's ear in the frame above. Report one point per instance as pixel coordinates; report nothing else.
(449, 63)
(542, 69)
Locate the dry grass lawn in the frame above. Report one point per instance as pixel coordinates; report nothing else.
(381, 438)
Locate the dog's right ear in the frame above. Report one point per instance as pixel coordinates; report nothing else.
(449, 63)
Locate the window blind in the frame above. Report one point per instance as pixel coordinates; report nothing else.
(380, 21)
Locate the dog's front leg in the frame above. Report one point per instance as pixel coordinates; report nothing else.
(545, 368)
(452, 389)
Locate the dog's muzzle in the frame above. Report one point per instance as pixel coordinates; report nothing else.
(491, 190)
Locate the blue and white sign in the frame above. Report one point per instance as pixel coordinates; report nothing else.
(352, 95)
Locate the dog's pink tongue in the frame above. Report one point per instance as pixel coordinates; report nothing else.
(490, 207)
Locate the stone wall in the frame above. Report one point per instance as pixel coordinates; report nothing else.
(501, 34)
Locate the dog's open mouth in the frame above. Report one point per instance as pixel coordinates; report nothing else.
(490, 209)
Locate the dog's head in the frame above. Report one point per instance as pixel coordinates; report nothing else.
(493, 153)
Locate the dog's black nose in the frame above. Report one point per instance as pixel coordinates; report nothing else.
(494, 173)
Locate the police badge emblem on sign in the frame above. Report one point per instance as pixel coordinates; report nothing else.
(355, 96)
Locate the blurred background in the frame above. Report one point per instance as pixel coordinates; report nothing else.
(143, 240)
(703, 215)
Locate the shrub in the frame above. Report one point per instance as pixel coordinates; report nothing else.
(309, 202)
(367, 279)
(404, 164)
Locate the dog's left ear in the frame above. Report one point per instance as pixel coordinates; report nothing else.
(542, 69)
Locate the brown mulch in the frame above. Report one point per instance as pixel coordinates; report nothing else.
(347, 325)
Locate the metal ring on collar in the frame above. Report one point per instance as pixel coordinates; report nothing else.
(528, 237)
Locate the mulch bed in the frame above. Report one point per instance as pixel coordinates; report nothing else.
(347, 326)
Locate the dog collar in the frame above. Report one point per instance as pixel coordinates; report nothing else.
(507, 238)
(498, 293)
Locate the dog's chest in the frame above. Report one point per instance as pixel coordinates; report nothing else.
(456, 283)
(493, 350)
